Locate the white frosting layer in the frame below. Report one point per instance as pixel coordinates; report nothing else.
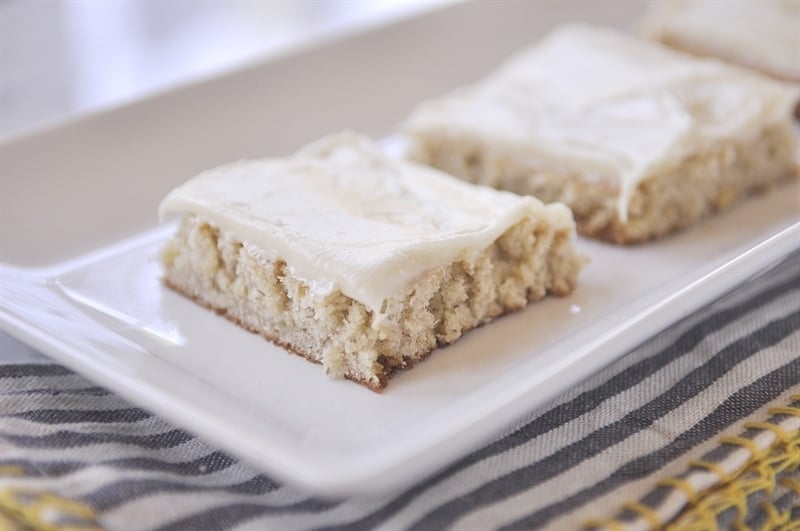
(596, 103)
(763, 34)
(343, 214)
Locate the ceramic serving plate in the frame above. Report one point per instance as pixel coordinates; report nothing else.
(80, 281)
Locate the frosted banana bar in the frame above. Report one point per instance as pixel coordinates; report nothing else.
(359, 261)
(638, 139)
(759, 34)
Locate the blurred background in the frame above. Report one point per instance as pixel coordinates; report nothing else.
(62, 57)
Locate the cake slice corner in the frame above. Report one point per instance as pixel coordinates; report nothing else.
(360, 262)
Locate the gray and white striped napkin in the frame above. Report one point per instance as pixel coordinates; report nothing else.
(619, 450)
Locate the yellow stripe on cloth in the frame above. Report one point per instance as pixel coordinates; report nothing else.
(791, 484)
(45, 511)
(785, 410)
(682, 485)
(749, 444)
(12, 470)
(775, 518)
(782, 435)
(765, 469)
(759, 475)
(715, 468)
(645, 512)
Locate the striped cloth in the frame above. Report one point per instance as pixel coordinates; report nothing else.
(697, 428)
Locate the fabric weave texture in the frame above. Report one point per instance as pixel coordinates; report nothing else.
(698, 428)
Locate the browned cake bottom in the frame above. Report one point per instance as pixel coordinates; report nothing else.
(531, 259)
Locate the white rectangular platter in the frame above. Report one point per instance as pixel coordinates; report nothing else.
(80, 280)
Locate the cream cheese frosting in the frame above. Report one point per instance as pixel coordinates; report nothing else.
(600, 104)
(762, 34)
(343, 214)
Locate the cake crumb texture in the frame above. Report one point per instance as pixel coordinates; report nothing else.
(707, 182)
(531, 259)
